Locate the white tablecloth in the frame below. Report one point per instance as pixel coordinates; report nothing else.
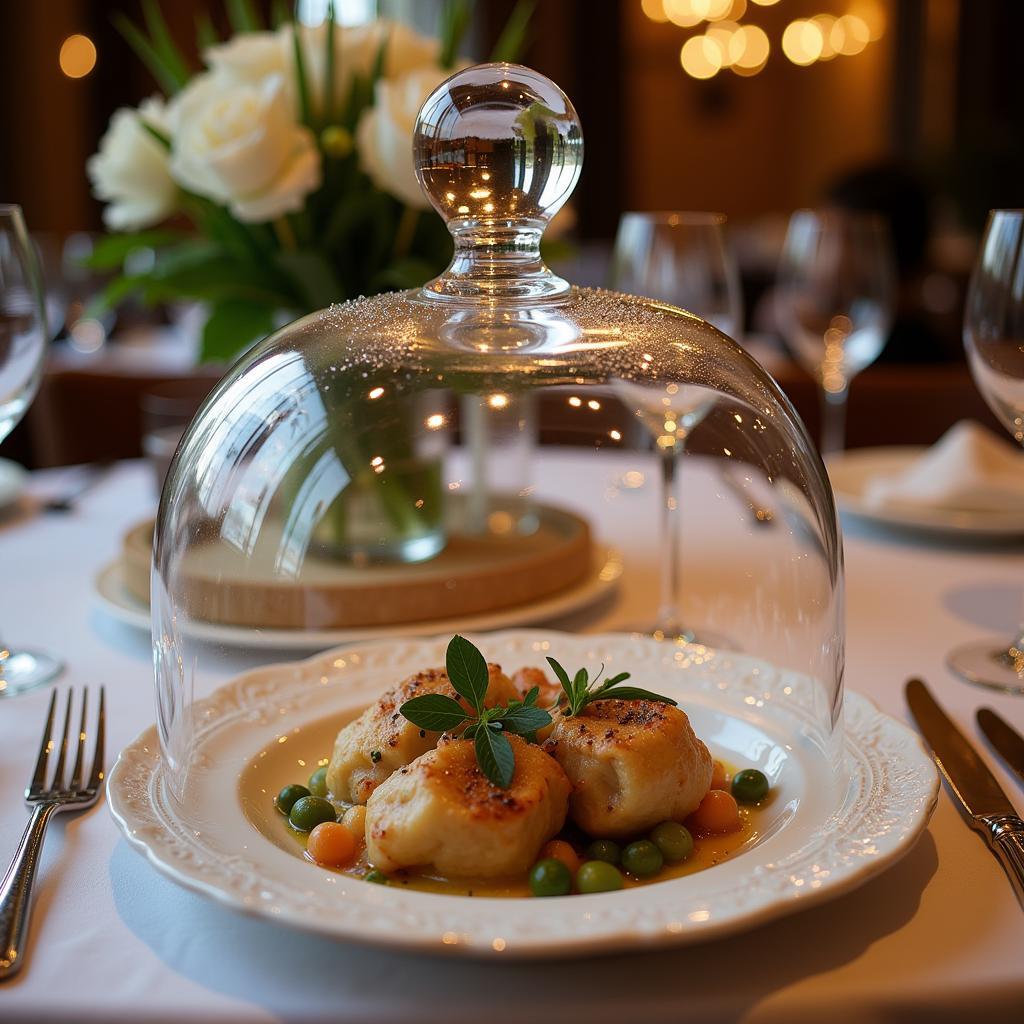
(936, 937)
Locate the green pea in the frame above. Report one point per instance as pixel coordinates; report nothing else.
(604, 849)
(642, 859)
(309, 811)
(285, 800)
(674, 841)
(550, 877)
(318, 782)
(750, 786)
(598, 876)
(375, 876)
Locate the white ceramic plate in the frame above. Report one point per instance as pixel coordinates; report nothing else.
(12, 482)
(223, 839)
(851, 471)
(113, 595)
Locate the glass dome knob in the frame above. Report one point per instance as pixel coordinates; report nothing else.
(498, 149)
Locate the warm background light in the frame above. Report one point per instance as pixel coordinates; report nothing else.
(802, 42)
(748, 50)
(77, 56)
(654, 9)
(745, 48)
(701, 57)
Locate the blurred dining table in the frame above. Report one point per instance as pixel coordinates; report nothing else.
(936, 937)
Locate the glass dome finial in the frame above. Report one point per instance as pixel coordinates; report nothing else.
(498, 149)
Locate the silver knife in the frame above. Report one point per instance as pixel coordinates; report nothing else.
(981, 798)
(1004, 738)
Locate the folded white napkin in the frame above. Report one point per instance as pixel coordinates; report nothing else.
(968, 469)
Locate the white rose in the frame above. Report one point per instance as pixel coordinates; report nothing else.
(239, 143)
(406, 49)
(252, 56)
(130, 172)
(384, 133)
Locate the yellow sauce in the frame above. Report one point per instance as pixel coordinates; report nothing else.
(708, 850)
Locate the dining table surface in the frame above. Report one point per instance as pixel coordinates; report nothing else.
(937, 936)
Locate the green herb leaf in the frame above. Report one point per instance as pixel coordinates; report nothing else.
(467, 671)
(615, 680)
(525, 719)
(435, 711)
(631, 693)
(495, 756)
(562, 676)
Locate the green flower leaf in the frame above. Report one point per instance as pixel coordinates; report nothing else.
(435, 711)
(513, 35)
(242, 16)
(467, 671)
(233, 326)
(495, 756)
(110, 252)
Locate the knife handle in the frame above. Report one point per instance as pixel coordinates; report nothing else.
(1005, 836)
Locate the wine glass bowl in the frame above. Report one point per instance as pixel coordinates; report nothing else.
(834, 302)
(994, 342)
(994, 320)
(23, 342)
(22, 320)
(680, 257)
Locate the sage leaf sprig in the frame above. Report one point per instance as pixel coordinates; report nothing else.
(579, 691)
(488, 728)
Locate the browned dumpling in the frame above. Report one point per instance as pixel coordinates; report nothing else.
(632, 764)
(442, 813)
(381, 741)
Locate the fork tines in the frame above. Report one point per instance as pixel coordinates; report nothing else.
(60, 787)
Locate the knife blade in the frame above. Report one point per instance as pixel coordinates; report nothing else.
(1007, 741)
(979, 796)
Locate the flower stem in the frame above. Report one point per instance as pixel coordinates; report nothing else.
(405, 232)
(285, 234)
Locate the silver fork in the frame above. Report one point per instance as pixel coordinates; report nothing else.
(46, 801)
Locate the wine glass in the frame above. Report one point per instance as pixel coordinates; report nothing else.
(23, 340)
(994, 340)
(834, 303)
(681, 258)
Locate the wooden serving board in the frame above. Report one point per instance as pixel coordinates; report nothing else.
(472, 575)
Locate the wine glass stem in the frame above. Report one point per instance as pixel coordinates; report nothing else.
(833, 419)
(668, 611)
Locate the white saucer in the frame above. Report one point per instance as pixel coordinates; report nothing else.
(223, 839)
(117, 600)
(851, 471)
(12, 482)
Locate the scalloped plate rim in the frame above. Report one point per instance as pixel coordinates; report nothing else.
(539, 947)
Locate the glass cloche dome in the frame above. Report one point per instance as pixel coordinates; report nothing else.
(428, 460)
